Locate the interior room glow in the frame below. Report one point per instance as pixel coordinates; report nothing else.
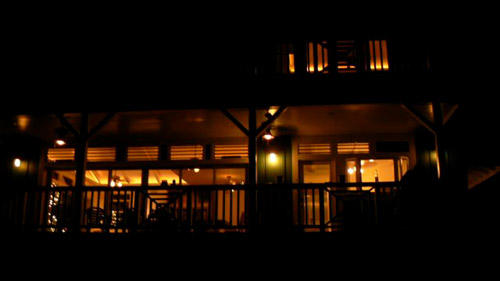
(196, 170)
(379, 60)
(379, 170)
(273, 158)
(60, 142)
(350, 171)
(17, 162)
(291, 61)
(316, 173)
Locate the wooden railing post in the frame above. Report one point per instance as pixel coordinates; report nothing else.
(322, 208)
(189, 211)
(377, 204)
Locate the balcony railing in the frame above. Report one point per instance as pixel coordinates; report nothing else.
(325, 207)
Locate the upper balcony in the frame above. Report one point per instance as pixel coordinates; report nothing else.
(333, 68)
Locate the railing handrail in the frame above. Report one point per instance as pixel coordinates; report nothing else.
(210, 187)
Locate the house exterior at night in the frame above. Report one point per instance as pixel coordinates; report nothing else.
(294, 134)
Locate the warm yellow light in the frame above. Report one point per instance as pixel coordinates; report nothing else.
(272, 110)
(268, 137)
(60, 142)
(385, 60)
(196, 170)
(362, 162)
(17, 162)
(350, 171)
(23, 122)
(119, 184)
(371, 160)
(112, 183)
(273, 158)
(291, 63)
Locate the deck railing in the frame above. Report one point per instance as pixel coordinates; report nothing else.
(218, 208)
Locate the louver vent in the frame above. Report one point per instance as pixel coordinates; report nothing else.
(353, 148)
(143, 153)
(315, 149)
(61, 154)
(186, 152)
(101, 154)
(223, 151)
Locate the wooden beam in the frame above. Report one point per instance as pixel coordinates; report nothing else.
(67, 125)
(235, 121)
(101, 124)
(419, 117)
(270, 121)
(450, 114)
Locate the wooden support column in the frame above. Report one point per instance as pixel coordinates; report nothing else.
(82, 140)
(437, 128)
(81, 167)
(81, 151)
(440, 141)
(253, 133)
(252, 167)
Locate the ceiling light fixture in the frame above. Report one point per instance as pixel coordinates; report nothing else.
(268, 135)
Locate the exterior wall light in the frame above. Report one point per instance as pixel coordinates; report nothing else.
(273, 158)
(17, 162)
(268, 136)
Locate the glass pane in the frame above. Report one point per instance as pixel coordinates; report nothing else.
(351, 170)
(310, 58)
(198, 176)
(385, 59)
(230, 176)
(404, 166)
(156, 177)
(97, 178)
(126, 178)
(377, 170)
(63, 178)
(316, 173)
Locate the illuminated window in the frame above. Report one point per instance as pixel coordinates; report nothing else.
(121, 178)
(199, 176)
(285, 59)
(379, 60)
(230, 176)
(317, 57)
(351, 170)
(63, 178)
(315, 172)
(97, 178)
(403, 166)
(346, 57)
(163, 177)
(374, 170)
